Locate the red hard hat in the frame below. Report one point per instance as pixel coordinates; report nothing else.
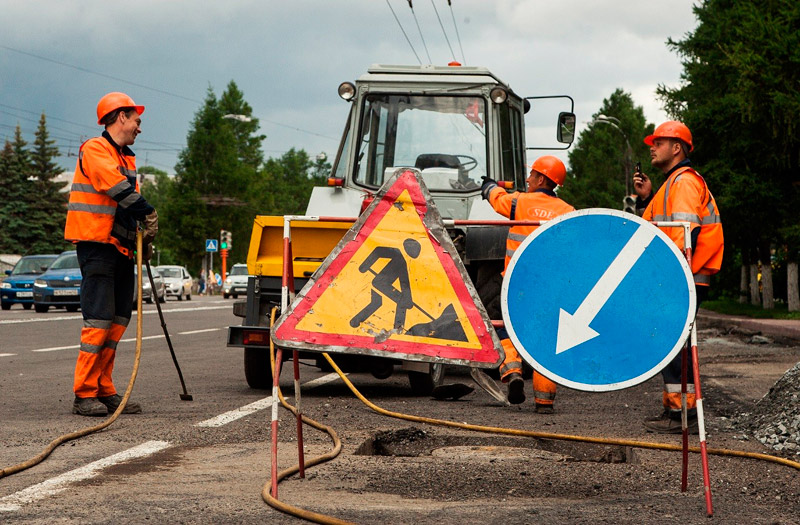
(672, 129)
(552, 168)
(115, 100)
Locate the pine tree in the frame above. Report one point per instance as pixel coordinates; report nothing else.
(16, 198)
(49, 209)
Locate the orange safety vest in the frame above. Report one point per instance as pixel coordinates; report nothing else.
(101, 172)
(686, 197)
(538, 205)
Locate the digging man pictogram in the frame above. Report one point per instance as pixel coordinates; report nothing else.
(396, 270)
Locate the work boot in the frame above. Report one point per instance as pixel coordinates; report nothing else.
(667, 424)
(113, 402)
(89, 406)
(516, 389)
(542, 408)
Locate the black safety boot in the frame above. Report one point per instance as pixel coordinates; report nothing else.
(667, 423)
(542, 408)
(113, 402)
(89, 406)
(516, 389)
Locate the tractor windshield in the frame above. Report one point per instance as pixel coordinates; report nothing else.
(442, 136)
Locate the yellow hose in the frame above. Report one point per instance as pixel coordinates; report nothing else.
(7, 471)
(337, 447)
(322, 518)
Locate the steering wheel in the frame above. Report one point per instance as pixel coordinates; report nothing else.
(469, 165)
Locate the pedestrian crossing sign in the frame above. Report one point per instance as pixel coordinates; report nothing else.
(211, 245)
(393, 287)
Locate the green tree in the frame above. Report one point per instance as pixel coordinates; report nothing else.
(16, 197)
(600, 161)
(288, 182)
(48, 212)
(216, 181)
(741, 99)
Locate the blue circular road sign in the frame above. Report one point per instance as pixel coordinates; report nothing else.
(598, 300)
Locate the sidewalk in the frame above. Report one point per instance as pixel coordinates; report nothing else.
(785, 329)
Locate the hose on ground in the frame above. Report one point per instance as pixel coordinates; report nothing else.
(325, 519)
(7, 471)
(337, 448)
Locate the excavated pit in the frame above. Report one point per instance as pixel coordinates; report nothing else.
(415, 442)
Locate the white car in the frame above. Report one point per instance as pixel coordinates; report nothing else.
(236, 281)
(177, 280)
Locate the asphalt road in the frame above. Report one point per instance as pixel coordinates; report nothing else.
(206, 460)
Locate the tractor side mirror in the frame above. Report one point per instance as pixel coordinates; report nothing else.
(566, 127)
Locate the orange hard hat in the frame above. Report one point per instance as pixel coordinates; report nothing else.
(672, 129)
(551, 167)
(115, 100)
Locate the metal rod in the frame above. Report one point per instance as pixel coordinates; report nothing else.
(185, 396)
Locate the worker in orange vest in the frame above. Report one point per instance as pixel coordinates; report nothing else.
(684, 196)
(538, 203)
(103, 217)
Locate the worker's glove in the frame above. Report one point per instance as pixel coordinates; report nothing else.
(147, 251)
(150, 228)
(488, 185)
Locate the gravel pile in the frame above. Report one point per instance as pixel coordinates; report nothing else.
(775, 420)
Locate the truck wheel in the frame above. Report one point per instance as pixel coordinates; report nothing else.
(41, 308)
(257, 369)
(422, 384)
(7, 306)
(488, 284)
(72, 308)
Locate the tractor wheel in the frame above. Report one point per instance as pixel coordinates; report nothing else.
(257, 368)
(488, 283)
(422, 383)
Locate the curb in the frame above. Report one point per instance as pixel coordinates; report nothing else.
(787, 330)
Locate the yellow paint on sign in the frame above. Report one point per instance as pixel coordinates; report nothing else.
(394, 282)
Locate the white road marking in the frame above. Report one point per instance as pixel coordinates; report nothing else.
(199, 331)
(78, 316)
(261, 404)
(54, 348)
(6, 355)
(128, 340)
(57, 484)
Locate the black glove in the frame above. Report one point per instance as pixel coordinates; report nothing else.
(487, 186)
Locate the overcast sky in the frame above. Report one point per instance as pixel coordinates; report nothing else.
(289, 57)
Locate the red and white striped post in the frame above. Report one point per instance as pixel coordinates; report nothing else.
(687, 244)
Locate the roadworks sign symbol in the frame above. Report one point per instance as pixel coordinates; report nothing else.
(393, 287)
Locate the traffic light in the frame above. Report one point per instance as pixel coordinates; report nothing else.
(225, 240)
(629, 204)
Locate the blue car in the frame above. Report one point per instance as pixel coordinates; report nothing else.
(17, 288)
(60, 285)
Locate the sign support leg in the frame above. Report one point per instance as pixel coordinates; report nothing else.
(701, 423)
(276, 375)
(684, 417)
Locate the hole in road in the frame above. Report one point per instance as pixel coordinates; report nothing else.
(413, 442)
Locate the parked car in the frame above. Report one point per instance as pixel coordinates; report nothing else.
(236, 281)
(60, 285)
(177, 280)
(17, 288)
(147, 289)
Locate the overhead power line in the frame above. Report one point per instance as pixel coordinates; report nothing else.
(463, 58)
(403, 31)
(420, 32)
(443, 31)
(85, 70)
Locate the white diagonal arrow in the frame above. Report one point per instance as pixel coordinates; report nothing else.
(573, 329)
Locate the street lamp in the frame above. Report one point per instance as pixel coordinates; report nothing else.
(613, 121)
(240, 118)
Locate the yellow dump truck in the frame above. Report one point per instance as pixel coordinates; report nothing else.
(454, 124)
